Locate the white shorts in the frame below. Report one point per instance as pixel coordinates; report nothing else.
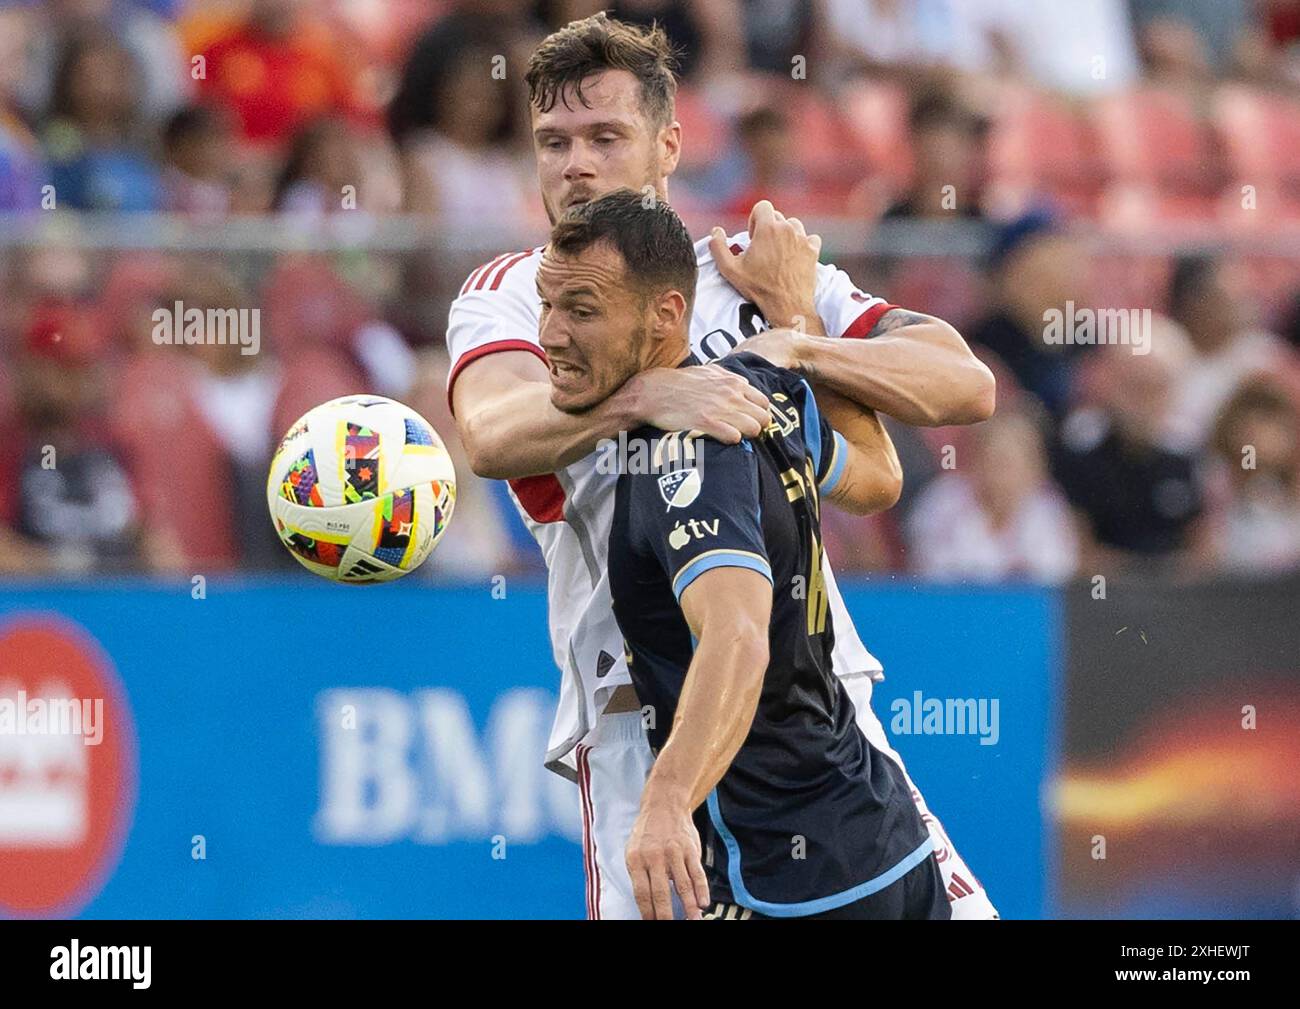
(613, 761)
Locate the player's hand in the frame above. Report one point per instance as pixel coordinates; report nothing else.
(778, 271)
(716, 402)
(663, 855)
(779, 346)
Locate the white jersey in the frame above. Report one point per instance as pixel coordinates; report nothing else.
(569, 512)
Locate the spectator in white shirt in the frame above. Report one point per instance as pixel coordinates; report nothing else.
(997, 516)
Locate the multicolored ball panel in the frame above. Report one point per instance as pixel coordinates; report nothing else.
(300, 483)
(395, 527)
(360, 458)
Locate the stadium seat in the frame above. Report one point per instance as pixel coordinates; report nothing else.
(1260, 134)
(876, 113)
(826, 147)
(1040, 143)
(705, 133)
(1159, 155)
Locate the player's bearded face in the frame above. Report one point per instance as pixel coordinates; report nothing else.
(593, 327)
(585, 151)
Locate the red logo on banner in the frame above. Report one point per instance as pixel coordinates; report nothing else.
(67, 768)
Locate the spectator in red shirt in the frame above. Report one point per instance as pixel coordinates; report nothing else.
(277, 72)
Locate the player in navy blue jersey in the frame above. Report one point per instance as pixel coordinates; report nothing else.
(765, 799)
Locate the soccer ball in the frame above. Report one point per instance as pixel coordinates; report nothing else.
(361, 489)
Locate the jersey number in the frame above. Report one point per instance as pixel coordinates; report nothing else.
(803, 486)
(719, 343)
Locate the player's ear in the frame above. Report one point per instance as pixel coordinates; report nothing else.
(670, 148)
(669, 313)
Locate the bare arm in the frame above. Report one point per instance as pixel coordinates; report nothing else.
(870, 477)
(728, 611)
(510, 429)
(913, 367)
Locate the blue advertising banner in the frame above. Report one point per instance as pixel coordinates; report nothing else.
(295, 749)
(970, 702)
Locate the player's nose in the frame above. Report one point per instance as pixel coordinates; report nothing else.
(580, 163)
(551, 334)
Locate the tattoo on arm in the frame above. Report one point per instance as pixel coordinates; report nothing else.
(897, 318)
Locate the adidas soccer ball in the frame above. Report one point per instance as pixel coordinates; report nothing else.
(361, 489)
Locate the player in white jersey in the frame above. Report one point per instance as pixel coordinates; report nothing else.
(601, 98)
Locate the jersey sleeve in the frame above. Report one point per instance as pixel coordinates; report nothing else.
(826, 446)
(845, 310)
(497, 310)
(702, 516)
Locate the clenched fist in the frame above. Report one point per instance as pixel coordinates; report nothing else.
(778, 271)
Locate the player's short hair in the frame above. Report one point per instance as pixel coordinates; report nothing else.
(582, 48)
(656, 247)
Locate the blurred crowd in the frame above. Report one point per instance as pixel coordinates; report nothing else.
(1052, 134)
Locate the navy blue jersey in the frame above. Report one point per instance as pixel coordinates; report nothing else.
(809, 816)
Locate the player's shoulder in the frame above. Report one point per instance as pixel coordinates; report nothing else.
(762, 373)
(648, 452)
(504, 277)
(673, 469)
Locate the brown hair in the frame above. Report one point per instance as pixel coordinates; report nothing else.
(656, 248)
(582, 48)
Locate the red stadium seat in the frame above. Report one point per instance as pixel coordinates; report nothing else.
(827, 149)
(705, 134)
(876, 113)
(1260, 135)
(1159, 155)
(1040, 143)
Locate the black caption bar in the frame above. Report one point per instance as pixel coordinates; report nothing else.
(473, 960)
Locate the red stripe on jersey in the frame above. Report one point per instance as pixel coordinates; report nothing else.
(496, 281)
(483, 277)
(866, 322)
(495, 347)
(541, 497)
(736, 248)
(584, 759)
(478, 271)
(586, 835)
